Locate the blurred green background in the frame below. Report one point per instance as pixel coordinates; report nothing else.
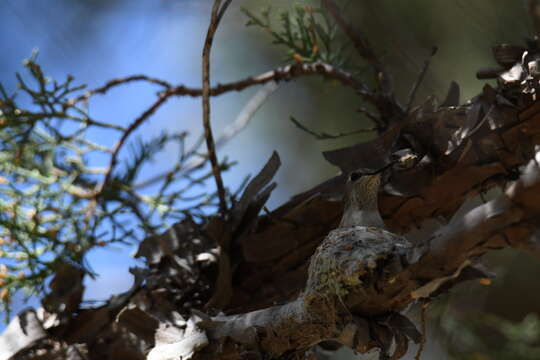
(97, 40)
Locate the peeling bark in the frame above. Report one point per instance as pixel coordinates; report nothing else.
(361, 277)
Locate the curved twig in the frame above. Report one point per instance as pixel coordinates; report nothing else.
(217, 14)
(362, 46)
(419, 80)
(119, 81)
(130, 129)
(284, 73)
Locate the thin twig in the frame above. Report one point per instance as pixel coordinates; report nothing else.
(284, 73)
(115, 82)
(130, 129)
(221, 11)
(64, 115)
(362, 46)
(420, 78)
(370, 115)
(326, 136)
(384, 98)
(217, 14)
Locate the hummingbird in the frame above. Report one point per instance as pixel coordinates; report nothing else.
(361, 199)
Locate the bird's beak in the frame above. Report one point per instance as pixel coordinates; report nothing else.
(382, 169)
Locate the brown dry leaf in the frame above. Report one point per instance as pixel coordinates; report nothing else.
(66, 290)
(401, 324)
(452, 97)
(254, 189)
(370, 155)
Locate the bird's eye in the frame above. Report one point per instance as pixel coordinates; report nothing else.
(355, 176)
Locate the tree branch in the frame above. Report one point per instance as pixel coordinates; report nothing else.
(326, 136)
(321, 312)
(284, 73)
(119, 81)
(359, 274)
(419, 80)
(509, 220)
(217, 14)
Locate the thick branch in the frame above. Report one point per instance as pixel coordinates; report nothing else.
(322, 312)
(509, 220)
(460, 163)
(366, 272)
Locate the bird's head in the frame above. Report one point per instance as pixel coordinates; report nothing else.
(363, 187)
(361, 198)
